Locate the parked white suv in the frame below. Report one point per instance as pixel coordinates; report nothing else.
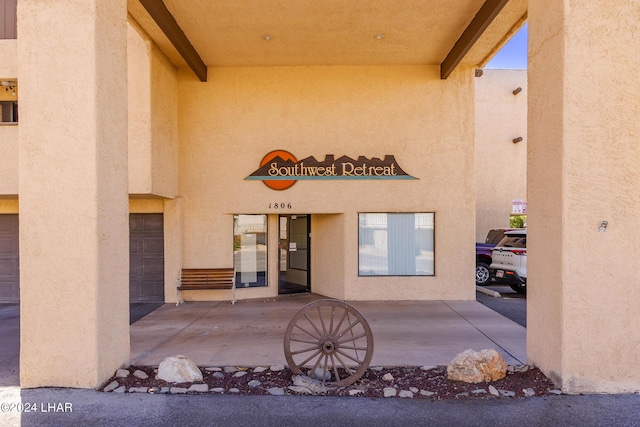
(509, 260)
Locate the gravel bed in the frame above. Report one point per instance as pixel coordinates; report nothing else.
(416, 382)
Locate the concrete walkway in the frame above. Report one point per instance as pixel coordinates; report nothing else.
(251, 332)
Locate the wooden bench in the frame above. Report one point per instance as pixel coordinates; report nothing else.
(196, 279)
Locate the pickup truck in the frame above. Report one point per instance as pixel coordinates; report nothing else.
(483, 254)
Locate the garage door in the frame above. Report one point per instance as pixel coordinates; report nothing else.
(146, 258)
(9, 259)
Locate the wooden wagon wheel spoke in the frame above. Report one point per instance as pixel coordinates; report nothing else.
(355, 359)
(341, 347)
(304, 341)
(311, 357)
(306, 350)
(307, 332)
(357, 337)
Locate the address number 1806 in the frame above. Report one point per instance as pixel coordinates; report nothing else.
(280, 205)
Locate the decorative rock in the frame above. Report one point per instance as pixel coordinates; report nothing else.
(317, 374)
(218, 375)
(387, 377)
(426, 393)
(507, 393)
(164, 390)
(138, 390)
(154, 390)
(555, 391)
(376, 368)
(406, 393)
(240, 374)
(217, 390)
(199, 388)
(112, 386)
(299, 389)
(213, 369)
(355, 392)
(259, 369)
(529, 392)
(460, 395)
(179, 369)
(427, 368)
(140, 374)
(230, 369)
(518, 368)
(178, 390)
(276, 391)
(276, 368)
(315, 386)
(254, 383)
(390, 392)
(122, 373)
(479, 391)
(475, 367)
(413, 390)
(234, 390)
(120, 389)
(494, 391)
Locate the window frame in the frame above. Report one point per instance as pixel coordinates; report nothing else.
(430, 267)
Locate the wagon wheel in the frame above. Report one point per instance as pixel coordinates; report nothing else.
(329, 340)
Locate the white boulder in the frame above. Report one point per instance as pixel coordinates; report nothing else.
(179, 369)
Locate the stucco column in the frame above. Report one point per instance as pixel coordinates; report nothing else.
(74, 257)
(583, 327)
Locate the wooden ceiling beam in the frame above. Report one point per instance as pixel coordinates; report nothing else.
(471, 34)
(169, 26)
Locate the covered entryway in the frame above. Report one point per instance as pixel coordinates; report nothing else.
(294, 254)
(9, 259)
(146, 258)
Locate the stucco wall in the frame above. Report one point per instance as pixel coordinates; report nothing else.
(228, 124)
(153, 125)
(9, 160)
(8, 132)
(8, 58)
(584, 131)
(501, 164)
(73, 193)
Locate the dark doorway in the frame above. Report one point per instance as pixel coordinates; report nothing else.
(294, 254)
(146, 258)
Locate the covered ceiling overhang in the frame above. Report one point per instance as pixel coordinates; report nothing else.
(245, 33)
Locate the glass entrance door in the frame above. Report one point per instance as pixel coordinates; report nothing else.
(294, 254)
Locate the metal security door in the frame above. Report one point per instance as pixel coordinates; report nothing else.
(9, 259)
(146, 258)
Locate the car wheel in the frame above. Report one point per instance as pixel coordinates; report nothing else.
(483, 276)
(519, 288)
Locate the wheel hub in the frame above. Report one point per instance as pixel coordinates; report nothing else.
(328, 346)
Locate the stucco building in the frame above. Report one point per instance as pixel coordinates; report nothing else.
(151, 136)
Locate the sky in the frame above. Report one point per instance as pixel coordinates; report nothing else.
(513, 54)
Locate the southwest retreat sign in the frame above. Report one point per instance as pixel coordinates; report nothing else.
(280, 169)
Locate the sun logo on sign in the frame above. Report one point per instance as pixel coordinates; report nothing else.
(284, 156)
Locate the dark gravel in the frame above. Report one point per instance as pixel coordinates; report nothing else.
(371, 383)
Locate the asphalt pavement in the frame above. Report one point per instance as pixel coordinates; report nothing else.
(510, 304)
(88, 407)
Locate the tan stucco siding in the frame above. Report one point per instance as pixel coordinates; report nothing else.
(8, 58)
(231, 122)
(583, 159)
(153, 126)
(9, 160)
(8, 132)
(501, 164)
